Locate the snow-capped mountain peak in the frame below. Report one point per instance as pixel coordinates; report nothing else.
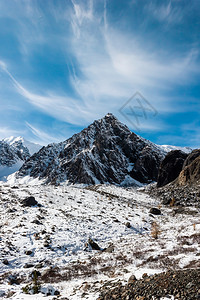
(14, 151)
(168, 148)
(104, 152)
(32, 147)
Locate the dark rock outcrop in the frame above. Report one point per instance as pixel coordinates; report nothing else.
(170, 167)
(29, 201)
(185, 189)
(105, 152)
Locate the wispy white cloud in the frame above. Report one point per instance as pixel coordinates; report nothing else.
(83, 12)
(64, 108)
(168, 12)
(42, 136)
(110, 64)
(114, 65)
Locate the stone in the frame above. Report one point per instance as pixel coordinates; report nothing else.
(11, 210)
(155, 211)
(56, 293)
(93, 245)
(29, 252)
(28, 265)
(5, 262)
(132, 279)
(29, 201)
(13, 279)
(128, 225)
(37, 222)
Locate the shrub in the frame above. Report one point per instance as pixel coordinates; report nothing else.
(155, 230)
(33, 288)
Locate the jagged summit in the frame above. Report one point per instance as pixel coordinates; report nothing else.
(104, 152)
(21, 142)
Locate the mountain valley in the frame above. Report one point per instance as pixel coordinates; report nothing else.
(103, 215)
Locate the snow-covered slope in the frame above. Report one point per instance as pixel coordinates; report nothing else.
(14, 151)
(52, 239)
(105, 152)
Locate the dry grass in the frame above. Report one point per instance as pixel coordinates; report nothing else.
(155, 230)
(172, 202)
(189, 240)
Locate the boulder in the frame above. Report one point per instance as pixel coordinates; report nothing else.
(29, 201)
(5, 262)
(93, 245)
(128, 224)
(132, 279)
(155, 211)
(170, 167)
(29, 252)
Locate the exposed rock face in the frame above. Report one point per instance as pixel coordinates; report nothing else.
(8, 155)
(192, 156)
(185, 189)
(191, 173)
(105, 152)
(171, 167)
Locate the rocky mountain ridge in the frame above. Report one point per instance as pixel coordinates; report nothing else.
(104, 152)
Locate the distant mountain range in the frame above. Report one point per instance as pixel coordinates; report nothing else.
(14, 151)
(104, 152)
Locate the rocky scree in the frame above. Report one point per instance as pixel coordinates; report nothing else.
(182, 284)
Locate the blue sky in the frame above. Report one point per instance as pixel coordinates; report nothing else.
(65, 63)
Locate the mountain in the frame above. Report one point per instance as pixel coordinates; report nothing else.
(23, 145)
(14, 151)
(105, 152)
(168, 148)
(178, 180)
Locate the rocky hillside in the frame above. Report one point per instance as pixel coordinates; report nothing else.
(181, 284)
(190, 173)
(105, 152)
(89, 242)
(170, 167)
(179, 179)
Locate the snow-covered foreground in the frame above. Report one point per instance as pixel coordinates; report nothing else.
(53, 238)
